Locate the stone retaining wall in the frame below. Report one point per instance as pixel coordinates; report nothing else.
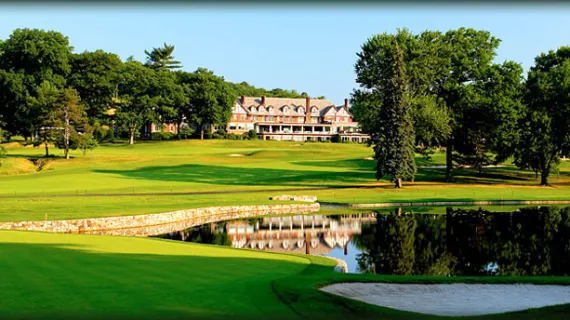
(159, 223)
(294, 198)
(446, 203)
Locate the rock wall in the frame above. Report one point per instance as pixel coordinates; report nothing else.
(159, 223)
(294, 198)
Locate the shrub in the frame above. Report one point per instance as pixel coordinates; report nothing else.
(160, 136)
(186, 132)
(252, 135)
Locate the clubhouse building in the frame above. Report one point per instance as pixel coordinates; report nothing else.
(303, 119)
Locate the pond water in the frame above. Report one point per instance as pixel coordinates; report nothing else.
(451, 242)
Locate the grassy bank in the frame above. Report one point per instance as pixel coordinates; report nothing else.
(70, 276)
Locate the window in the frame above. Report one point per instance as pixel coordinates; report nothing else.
(242, 117)
(314, 110)
(156, 127)
(254, 118)
(232, 127)
(235, 117)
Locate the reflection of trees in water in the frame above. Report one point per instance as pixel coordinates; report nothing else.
(530, 241)
(210, 233)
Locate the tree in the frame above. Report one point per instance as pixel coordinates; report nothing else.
(69, 113)
(29, 58)
(138, 102)
(423, 67)
(490, 121)
(546, 127)
(465, 56)
(86, 142)
(393, 135)
(93, 75)
(172, 97)
(162, 58)
(210, 99)
(43, 104)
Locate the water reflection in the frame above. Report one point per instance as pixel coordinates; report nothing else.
(528, 241)
(310, 234)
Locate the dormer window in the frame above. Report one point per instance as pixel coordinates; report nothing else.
(270, 109)
(314, 110)
(253, 109)
(300, 110)
(285, 109)
(261, 109)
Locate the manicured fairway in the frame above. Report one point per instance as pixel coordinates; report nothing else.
(80, 276)
(73, 275)
(206, 166)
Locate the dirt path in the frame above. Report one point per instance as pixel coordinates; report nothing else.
(454, 299)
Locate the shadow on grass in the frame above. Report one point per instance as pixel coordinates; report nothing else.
(356, 164)
(68, 281)
(239, 176)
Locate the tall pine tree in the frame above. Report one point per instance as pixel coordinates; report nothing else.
(394, 136)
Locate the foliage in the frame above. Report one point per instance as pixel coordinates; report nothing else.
(162, 58)
(209, 99)
(93, 75)
(392, 135)
(252, 135)
(30, 58)
(530, 241)
(159, 136)
(138, 102)
(245, 89)
(545, 133)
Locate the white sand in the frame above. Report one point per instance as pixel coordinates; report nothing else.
(454, 299)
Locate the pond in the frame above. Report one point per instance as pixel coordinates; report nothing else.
(449, 242)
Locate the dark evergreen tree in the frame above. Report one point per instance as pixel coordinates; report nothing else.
(394, 137)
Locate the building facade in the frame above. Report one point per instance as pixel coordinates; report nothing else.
(303, 119)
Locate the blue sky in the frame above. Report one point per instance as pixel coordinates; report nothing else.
(309, 48)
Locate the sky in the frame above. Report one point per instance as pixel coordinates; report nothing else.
(310, 48)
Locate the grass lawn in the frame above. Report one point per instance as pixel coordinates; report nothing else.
(198, 166)
(72, 276)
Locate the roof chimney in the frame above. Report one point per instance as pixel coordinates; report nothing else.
(243, 100)
(308, 109)
(263, 100)
(346, 103)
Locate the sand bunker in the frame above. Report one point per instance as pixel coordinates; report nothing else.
(237, 155)
(454, 299)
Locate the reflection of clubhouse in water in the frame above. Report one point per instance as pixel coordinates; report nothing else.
(317, 234)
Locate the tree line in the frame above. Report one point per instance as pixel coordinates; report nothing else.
(442, 89)
(50, 94)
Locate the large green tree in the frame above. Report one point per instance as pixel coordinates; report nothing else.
(392, 134)
(93, 75)
(465, 55)
(209, 99)
(29, 58)
(488, 128)
(138, 101)
(421, 58)
(545, 133)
